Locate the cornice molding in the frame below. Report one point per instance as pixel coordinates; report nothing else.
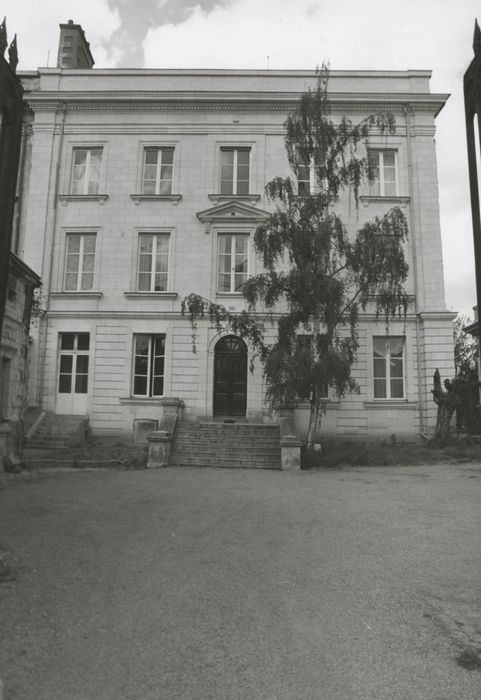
(236, 101)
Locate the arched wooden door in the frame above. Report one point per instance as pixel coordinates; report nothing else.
(230, 377)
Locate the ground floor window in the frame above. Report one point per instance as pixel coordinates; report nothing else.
(388, 358)
(74, 363)
(149, 361)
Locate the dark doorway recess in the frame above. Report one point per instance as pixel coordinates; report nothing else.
(230, 377)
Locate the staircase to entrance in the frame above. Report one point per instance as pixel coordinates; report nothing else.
(228, 445)
(57, 431)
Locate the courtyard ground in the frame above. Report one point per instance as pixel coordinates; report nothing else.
(193, 584)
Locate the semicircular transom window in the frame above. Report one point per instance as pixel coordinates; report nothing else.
(231, 343)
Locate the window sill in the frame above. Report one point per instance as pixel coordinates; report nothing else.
(141, 400)
(154, 295)
(81, 294)
(100, 198)
(329, 403)
(234, 197)
(372, 199)
(391, 403)
(137, 198)
(229, 295)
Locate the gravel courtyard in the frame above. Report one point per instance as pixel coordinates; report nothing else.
(192, 584)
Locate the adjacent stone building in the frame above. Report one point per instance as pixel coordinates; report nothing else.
(141, 186)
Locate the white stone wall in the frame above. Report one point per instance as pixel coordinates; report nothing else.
(197, 112)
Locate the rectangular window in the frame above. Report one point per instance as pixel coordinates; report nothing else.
(234, 170)
(86, 168)
(384, 166)
(157, 172)
(388, 357)
(149, 361)
(304, 346)
(153, 262)
(305, 176)
(232, 262)
(74, 363)
(79, 262)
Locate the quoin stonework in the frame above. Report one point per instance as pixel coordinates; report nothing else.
(142, 186)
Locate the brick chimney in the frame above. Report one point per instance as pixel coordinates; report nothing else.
(73, 48)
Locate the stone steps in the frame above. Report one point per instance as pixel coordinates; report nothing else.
(56, 432)
(230, 446)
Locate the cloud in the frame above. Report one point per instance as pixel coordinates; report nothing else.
(138, 17)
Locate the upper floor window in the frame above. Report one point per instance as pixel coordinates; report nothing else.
(384, 167)
(304, 348)
(148, 370)
(153, 262)
(79, 261)
(305, 179)
(232, 262)
(388, 357)
(234, 170)
(86, 169)
(157, 171)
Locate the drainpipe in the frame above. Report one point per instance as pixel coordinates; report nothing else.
(415, 265)
(50, 226)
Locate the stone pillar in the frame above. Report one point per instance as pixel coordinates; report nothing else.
(290, 442)
(160, 441)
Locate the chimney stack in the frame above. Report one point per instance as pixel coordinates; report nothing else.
(73, 48)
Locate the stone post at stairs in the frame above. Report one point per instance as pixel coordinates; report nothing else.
(290, 442)
(160, 441)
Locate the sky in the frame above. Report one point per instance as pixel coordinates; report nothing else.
(301, 34)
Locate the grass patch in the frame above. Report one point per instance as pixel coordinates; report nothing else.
(336, 454)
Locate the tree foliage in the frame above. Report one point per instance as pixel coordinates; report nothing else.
(466, 351)
(317, 278)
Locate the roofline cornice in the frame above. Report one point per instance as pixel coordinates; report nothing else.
(221, 101)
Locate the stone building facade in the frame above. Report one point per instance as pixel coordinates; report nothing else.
(141, 186)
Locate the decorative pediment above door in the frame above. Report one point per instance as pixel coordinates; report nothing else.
(232, 213)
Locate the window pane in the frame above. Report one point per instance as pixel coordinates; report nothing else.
(87, 281)
(88, 262)
(396, 367)
(242, 187)
(227, 157)
(167, 156)
(151, 155)
(146, 242)
(89, 245)
(243, 156)
(397, 389)
(144, 282)
(83, 341)
(71, 281)
(150, 172)
(379, 367)
(145, 263)
(165, 187)
(396, 346)
(379, 388)
(81, 383)
(73, 244)
(158, 388)
(66, 364)
(67, 341)
(80, 156)
(64, 384)
(389, 160)
(140, 386)
(379, 345)
(82, 364)
(141, 365)
(141, 344)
